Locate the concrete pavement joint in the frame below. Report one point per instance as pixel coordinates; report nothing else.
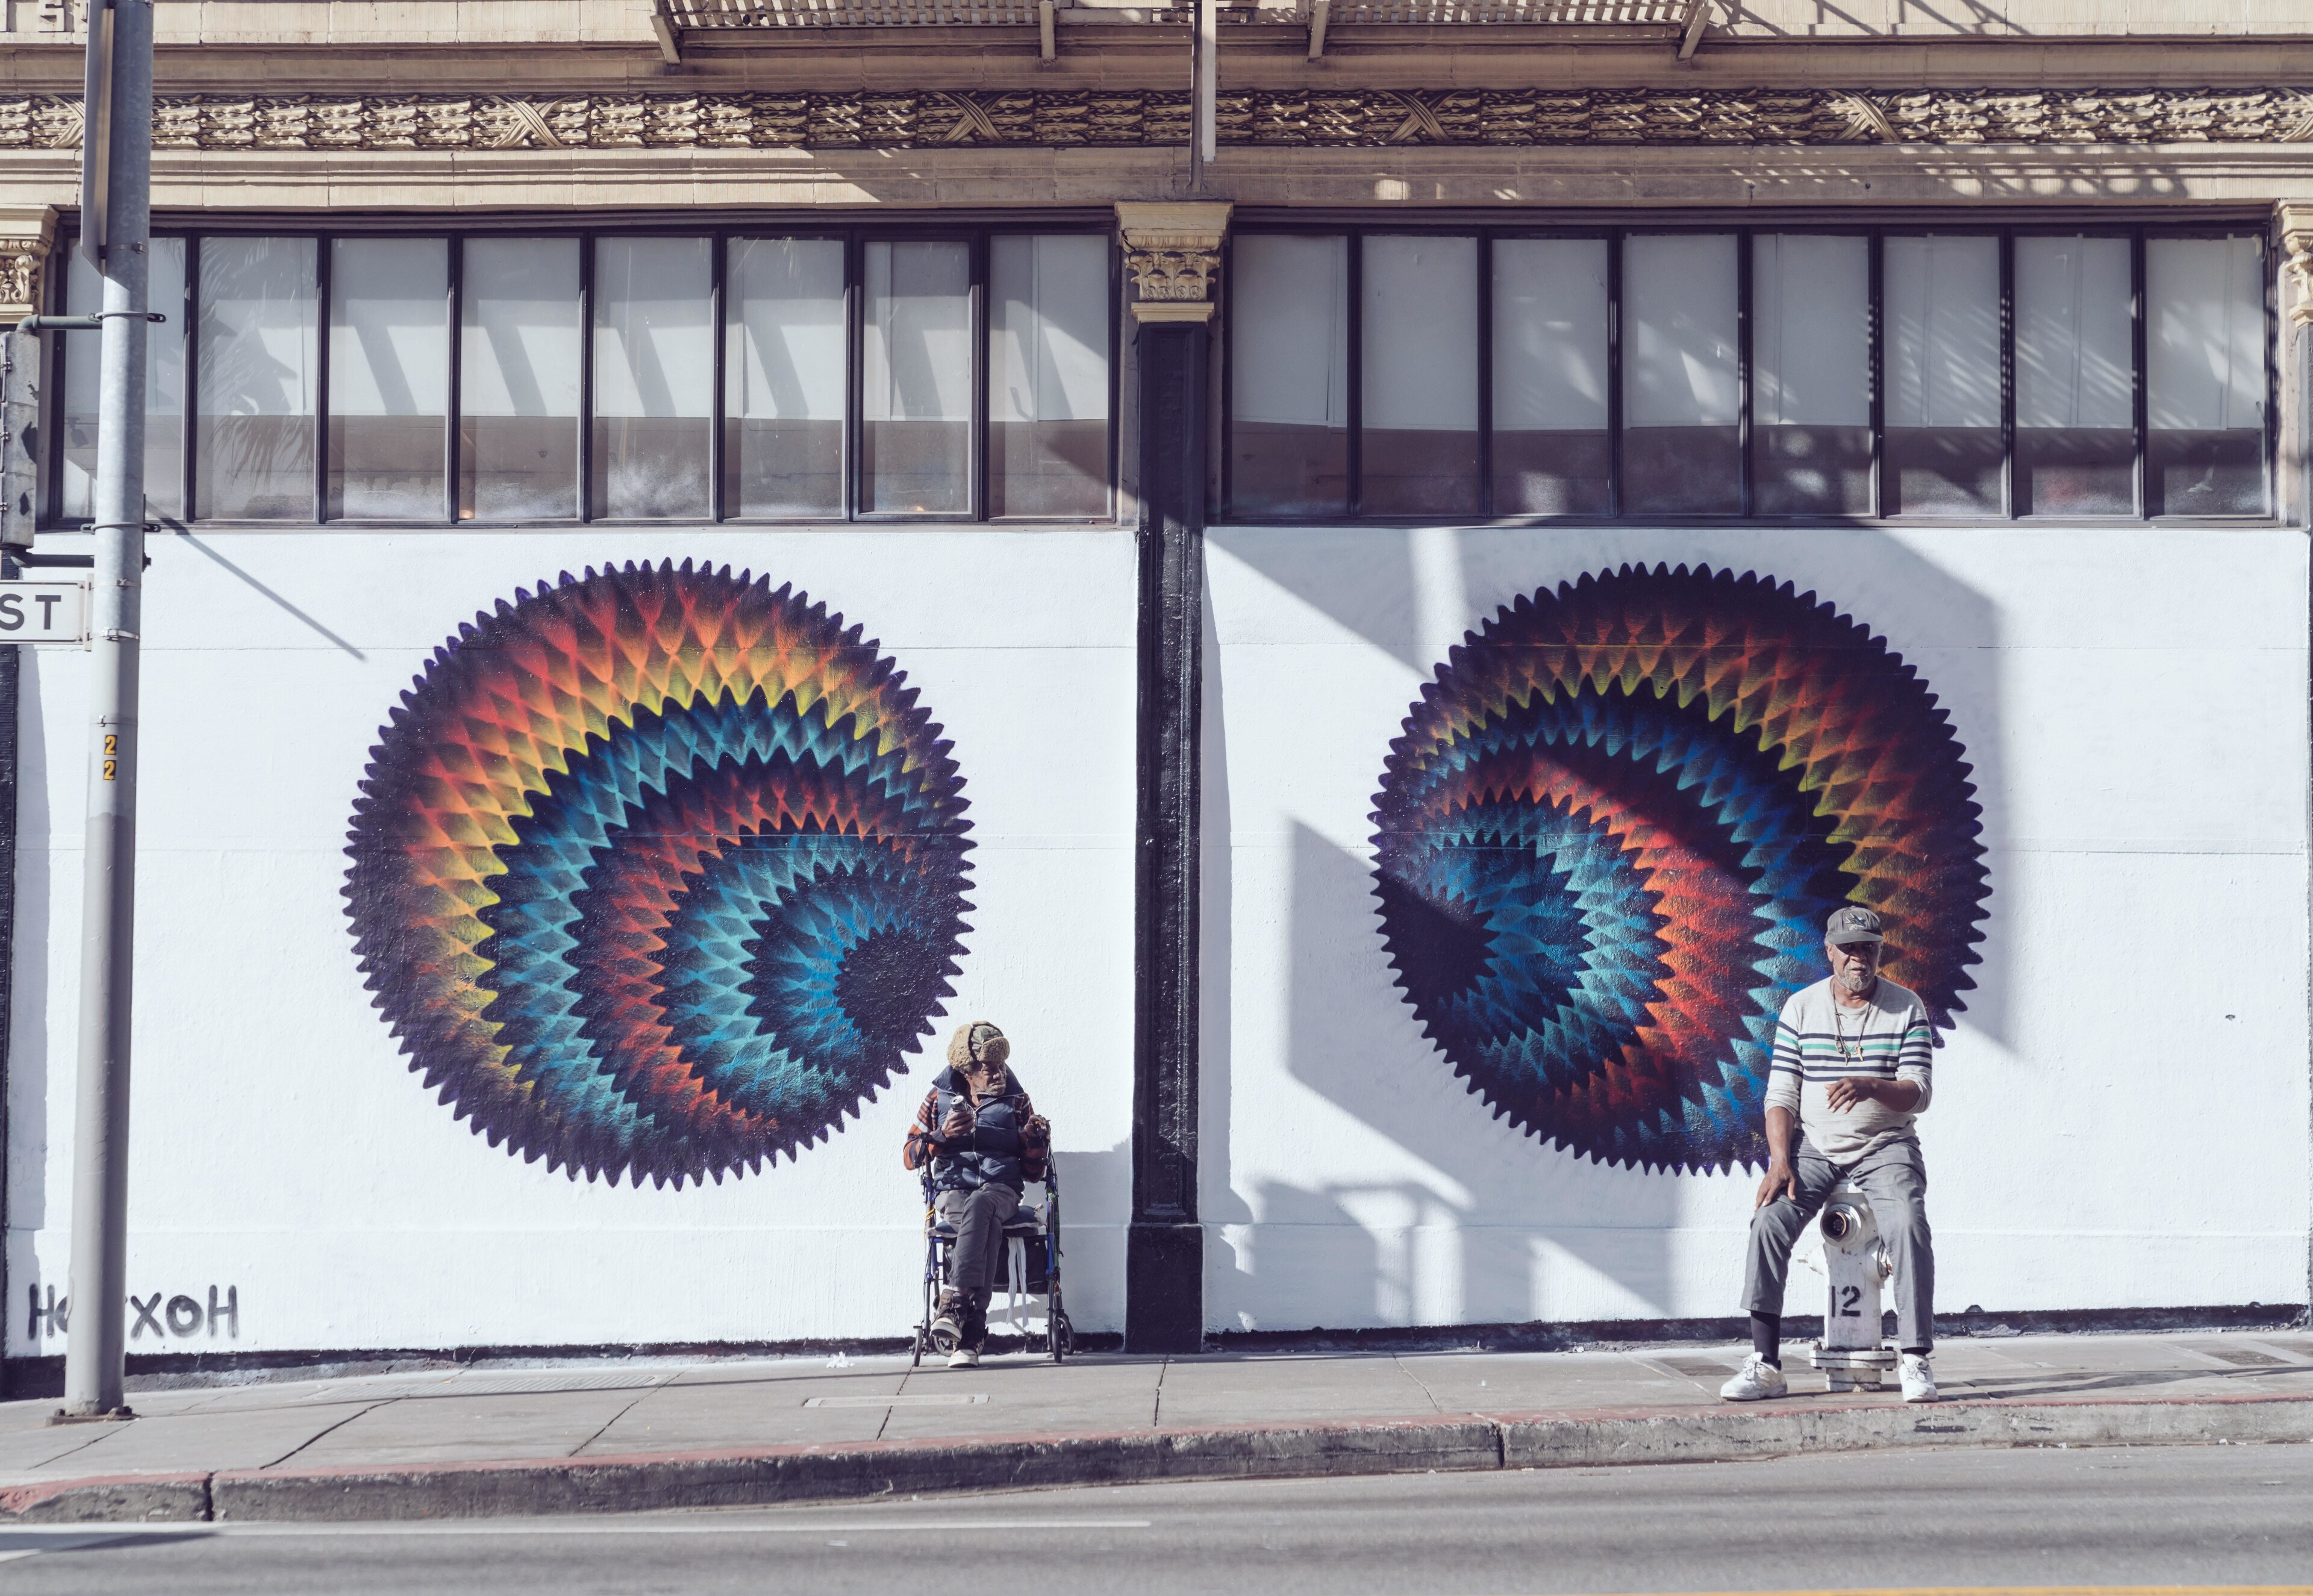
(822, 1471)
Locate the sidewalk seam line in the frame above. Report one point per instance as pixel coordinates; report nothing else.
(317, 1434)
(614, 1419)
(1420, 1384)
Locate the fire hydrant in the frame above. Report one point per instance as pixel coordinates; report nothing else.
(1851, 1353)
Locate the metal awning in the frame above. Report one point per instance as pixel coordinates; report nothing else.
(1679, 22)
(674, 21)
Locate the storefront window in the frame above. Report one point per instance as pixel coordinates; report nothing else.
(915, 443)
(1943, 446)
(389, 378)
(654, 377)
(1553, 453)
(1810, 375)
(2205, 378)
(1681, 407)
(2075, 401)
(164, 385)
(518, 357)
(258, 339)
(1420, 377)
(1289, 375)
(1048, 375)
(784, 378)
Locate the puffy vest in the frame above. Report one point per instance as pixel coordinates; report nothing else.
(990, 1156)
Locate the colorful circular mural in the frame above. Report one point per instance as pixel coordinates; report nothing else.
(1611, 833)
(657, 872)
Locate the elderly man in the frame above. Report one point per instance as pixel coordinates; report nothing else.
(984, 1141)
(1851, 1073)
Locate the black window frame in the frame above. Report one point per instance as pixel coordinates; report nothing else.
(1354, 228)
(975, 234)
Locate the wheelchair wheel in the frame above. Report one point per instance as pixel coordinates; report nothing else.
(1062, 1337)
(916, 1352)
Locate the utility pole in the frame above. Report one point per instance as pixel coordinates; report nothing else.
(116, 225)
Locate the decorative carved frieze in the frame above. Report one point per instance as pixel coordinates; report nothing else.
(1345, 117)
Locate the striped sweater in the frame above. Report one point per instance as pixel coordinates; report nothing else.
(1817, 1042)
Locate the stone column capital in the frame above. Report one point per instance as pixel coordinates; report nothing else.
(2297, 259)
(1172, 255)
(27, 234)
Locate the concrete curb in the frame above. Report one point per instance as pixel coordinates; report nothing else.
(769, 1476)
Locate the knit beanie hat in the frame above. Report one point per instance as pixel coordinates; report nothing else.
(977, 1041)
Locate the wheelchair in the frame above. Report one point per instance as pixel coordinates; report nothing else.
(1031, 1268)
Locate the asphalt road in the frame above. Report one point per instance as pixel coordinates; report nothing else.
(2197, 1516)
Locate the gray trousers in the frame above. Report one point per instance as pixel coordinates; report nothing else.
(1895, 1180)
(978, 1217)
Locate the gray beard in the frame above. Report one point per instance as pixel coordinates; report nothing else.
(1860, 986)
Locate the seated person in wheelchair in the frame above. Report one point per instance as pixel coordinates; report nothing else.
(984, 1141)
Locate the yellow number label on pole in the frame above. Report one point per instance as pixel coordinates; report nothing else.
(110, 766)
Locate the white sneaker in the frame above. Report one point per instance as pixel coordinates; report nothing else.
(1755, 1379)
(1919, 1380)
(964, 1357)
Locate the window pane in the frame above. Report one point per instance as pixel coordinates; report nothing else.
(2205, 385)
(164, 385)
(1420, 377)
(1810, 375)
(1942, 450)
(1552, 454)
(389, 377)
(254, 457)
(1048, 375)
(784, 367)
(915, 442)
(654, 376)
(2075, 406)
(518, 380)
(1681, 452)
(1289, 376)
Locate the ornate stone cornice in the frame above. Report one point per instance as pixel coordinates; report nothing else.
(26, 235)
(1173, 254)
(1259, 116)
(2297, 251)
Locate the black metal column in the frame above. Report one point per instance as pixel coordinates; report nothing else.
(1165, 1253)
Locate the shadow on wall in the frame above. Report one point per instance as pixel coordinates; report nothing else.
(1409, 1249)
(31, 1031)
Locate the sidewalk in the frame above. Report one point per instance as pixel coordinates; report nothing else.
(665, 1433)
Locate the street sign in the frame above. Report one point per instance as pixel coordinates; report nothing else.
(96, 135)
(44, 612)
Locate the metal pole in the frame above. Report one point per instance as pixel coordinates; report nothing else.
(96, 1353)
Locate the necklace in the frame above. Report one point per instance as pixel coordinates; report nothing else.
(1849, 1052)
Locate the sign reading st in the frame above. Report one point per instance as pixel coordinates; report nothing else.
(44, 612)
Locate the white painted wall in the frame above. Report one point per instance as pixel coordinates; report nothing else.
(282, 1148)
(2119, 1117)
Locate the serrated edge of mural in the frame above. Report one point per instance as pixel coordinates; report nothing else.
(1352, 118)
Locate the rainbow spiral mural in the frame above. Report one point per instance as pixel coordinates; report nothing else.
(1614, 827)
(656, 872)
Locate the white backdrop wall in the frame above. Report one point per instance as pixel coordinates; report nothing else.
(285, 1155)
(2120, 1110)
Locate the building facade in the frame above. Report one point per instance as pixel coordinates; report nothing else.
(701, 547)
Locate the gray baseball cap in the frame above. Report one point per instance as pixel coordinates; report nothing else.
(1852, 924)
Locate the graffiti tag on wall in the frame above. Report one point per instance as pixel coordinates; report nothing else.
(1614, 827)
(181, 1315)
(656, 872)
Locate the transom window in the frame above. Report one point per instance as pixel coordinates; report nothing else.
(1844, 373)
(668, 376)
